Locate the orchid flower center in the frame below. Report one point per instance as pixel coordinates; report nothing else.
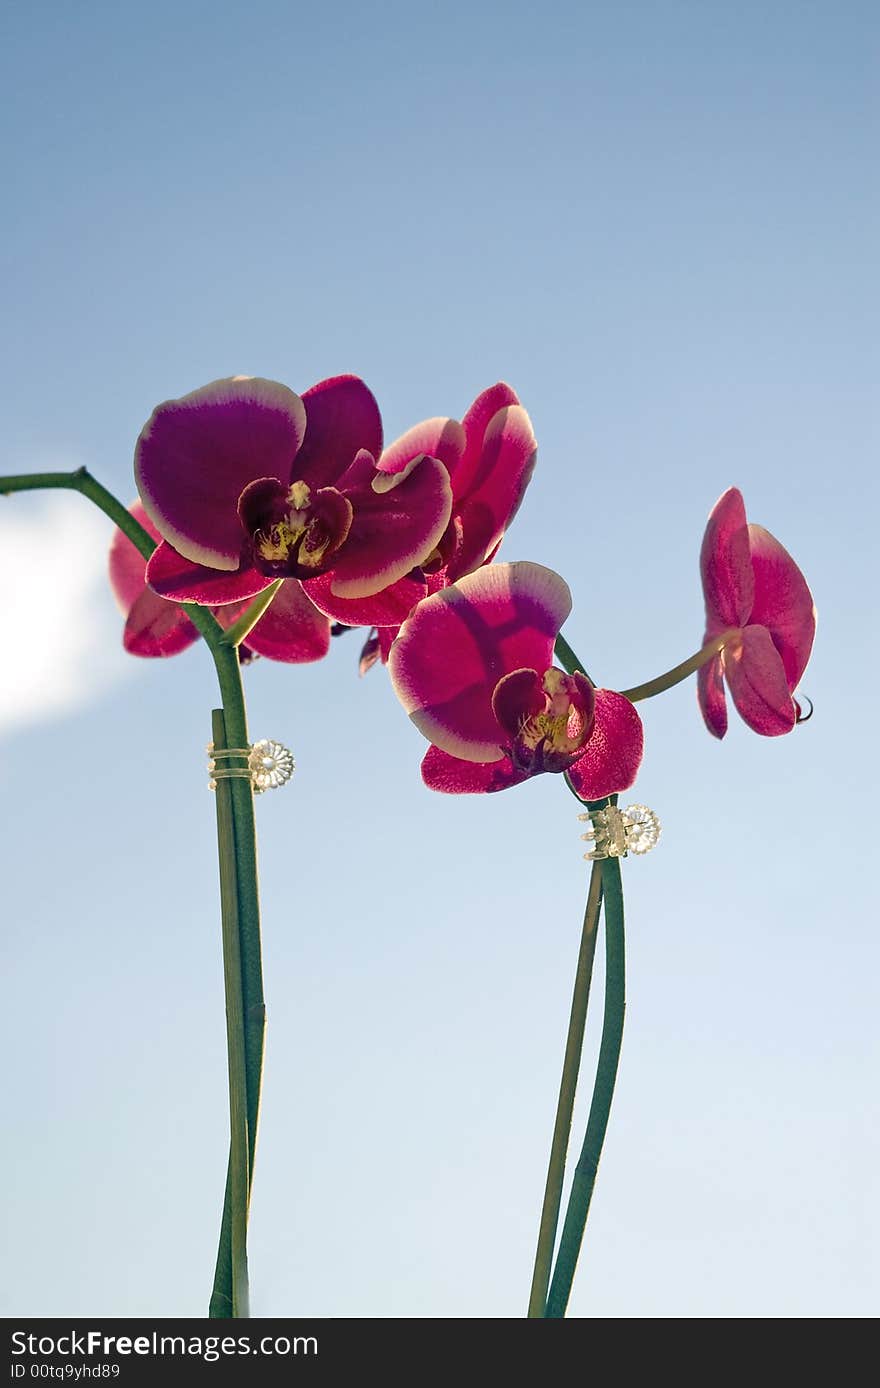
(561, 724)
(294, 531)
(548, 718)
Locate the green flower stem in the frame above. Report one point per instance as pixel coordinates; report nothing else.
(567, 657)
(83, 482)
(603, 1092)
(680, 672)
(565, 1105)
(229, 675)
(235, 634)
(235, 1258)
(241, 799)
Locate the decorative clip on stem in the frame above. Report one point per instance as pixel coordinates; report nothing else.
(269, 765)
(617, 833)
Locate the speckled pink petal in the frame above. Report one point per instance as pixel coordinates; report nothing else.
(475, 423)
(497, 489)
(155, 627)
(711, 696)
(389, 607)
(726, 565)
(291, 630)
(341, 417)
(172, 576)
(452, 776)
(438, 438)
(783, 602)
(758, 685)
(196, 455)
(396, 523)
(612, 756)
(456, 646)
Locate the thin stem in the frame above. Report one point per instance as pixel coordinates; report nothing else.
(680, 672)
(603, 1093)
(565, 1105)
(244, 625)
(239, 1161)
(241, 798)
(568, 659)
(83, 482)
(229, 675)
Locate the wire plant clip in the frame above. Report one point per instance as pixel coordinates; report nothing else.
(268, 765)
(616, 833)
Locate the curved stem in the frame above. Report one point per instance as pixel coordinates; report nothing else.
(83, 482)
(568, 659)
(680, 672)
(565, 1105)
(246, 903)
(603, 1092)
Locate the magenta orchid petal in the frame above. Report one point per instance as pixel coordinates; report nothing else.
(613, 754)
(341, 417)
(127, 563)
(291, 629)
(172, 576)
(758, 685)
(475, 423)
(725, 564)
(455, 647)
(783, 602)
(711, 696)
(753, 588)
(506, 465)
(155, 627)
(452, 776)
(197, 454)
(397, 521)
(389, 607)
(437, 438)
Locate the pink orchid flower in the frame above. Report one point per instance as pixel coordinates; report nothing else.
(490, 457)
(291, 630)
(473, 668)
(751, 584)
(247, 482)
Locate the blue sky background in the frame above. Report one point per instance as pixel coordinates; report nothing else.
(658, 222)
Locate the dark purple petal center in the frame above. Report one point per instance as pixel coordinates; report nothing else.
(294, 531)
